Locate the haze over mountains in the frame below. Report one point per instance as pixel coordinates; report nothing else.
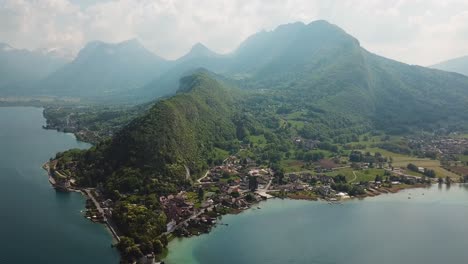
(102, 69)
(459, 65)
(316, 64)
(315, 75)
(21, 69)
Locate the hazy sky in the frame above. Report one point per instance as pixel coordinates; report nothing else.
(413, 31)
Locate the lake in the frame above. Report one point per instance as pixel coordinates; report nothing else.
(428, 228)
(38, 224)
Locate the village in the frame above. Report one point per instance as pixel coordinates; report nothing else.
(239, 184)
(443, 146)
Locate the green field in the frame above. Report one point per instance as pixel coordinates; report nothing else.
(353, 175)
(402, 160)
(258, 140)
(291, 165)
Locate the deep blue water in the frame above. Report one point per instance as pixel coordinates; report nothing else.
(38, 224)
(429, 228)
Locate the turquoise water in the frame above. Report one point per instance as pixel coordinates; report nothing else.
(37, 224)
(429, 228)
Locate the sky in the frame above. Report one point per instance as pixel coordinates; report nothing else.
(420, 32)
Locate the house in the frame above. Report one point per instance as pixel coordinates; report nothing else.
(171, 226)
(325, 191)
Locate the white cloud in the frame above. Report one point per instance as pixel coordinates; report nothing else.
(413, 31)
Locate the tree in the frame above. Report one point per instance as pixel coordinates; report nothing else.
(158, 246)
(355, 156)
(429, 173)
(201, 194)
(448, 181)
(412, 167)
(378, 178)
(340, 178)
(129, 250)
(253, 183)
(146, 247)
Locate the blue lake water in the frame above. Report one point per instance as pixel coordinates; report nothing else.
(38, 224)
(429, 228)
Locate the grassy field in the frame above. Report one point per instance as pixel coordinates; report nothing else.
(353, 175)
(291, 165)
(258, 140)
(401, 160)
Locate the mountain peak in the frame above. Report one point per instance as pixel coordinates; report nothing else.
(197, 51)
(199, 47)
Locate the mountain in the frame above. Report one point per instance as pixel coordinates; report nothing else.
(314, 82)
(104, 70)
(198, 51)
(20, 68)
(166, 84)
(319, 66)
(175, 134)
(459, 65)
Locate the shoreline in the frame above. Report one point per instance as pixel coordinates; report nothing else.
(253, 206)
(88, 196)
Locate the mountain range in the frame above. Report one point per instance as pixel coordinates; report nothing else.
(102, 69)
(459, 65)
(21, 69)
(316, 58)
(312, 82)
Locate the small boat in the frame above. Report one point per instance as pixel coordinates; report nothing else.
(259, 208)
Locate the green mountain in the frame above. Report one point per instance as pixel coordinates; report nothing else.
(319, 66)
(176, 134)
(459, 65)
(20, 69)
(103, 70)
(314, 81)
(167, 83)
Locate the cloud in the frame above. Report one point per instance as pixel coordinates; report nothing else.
(413, 31)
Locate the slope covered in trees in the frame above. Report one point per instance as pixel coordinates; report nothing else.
(176, 133)
(319, 68)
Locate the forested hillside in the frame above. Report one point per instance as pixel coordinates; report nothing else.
(320, 68)
(175, 134)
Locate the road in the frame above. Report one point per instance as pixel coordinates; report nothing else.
(399, 173)
(187, 173)
(109, 225)
(355, 177)
(188, 219)
(204, 176)
(309, 171)
(98, 206)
